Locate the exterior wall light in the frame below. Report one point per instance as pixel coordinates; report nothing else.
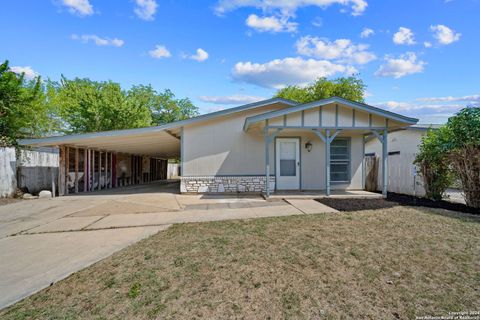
(308, 146)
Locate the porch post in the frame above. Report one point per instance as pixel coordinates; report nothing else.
(327, 162)
(385, 163)
(267, 163)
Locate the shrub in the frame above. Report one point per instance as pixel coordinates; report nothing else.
(434, 164)
(463, 145)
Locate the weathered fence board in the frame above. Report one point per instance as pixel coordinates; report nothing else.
(37, 168)
(8, 179)
(173, 170)
(34, 170)
(402, 176)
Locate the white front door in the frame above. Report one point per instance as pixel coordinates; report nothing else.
(287, 163)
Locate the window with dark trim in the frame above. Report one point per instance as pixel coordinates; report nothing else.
(340, 160)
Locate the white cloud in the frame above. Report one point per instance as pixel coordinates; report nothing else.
(98, 40)
(407, 107)
(404, 36)
(288, 7)
(366, 32)
(146, 9)
(399, 67)
(426, 113)
(80, 7)
(474, 99)
(270, 24)
(342, 50)
(427, 44)
(232, 99)
(444, 35)
(200, 56)
(159, 52)
(279, 73)
(317, 22)
(28, 72)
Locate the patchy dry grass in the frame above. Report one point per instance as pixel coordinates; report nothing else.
(400, 262)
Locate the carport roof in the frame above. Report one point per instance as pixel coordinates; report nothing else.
(159, 141)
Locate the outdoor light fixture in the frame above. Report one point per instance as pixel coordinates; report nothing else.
(308, 146)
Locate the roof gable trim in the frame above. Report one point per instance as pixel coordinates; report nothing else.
(352, 104)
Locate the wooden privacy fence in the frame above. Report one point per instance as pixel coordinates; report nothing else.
(173, 171)
(31, 170)
(402, 174)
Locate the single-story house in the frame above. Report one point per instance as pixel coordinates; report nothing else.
(313, 146)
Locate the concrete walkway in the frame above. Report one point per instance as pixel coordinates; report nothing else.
(43, 241)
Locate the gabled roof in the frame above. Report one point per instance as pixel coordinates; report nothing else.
(58, 140)
(353, 104)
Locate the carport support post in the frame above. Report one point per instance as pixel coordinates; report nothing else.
(85, 169)
(106, 170)
(67, 168)
(385, 163)
(76, 170)
(99, 170)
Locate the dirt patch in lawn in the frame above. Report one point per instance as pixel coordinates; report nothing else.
(392, 263)
(393, 199)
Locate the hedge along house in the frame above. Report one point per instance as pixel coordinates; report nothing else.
(312, 146)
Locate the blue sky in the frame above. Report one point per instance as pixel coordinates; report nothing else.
(418, 58)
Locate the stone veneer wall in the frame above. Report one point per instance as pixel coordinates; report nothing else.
(220, 184)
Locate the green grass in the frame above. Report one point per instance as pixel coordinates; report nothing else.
(384, 264)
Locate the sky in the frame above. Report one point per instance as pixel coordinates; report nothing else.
(418, 58)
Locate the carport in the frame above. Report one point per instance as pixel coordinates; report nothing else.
(110, 159)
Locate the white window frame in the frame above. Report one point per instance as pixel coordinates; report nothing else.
(347, 161)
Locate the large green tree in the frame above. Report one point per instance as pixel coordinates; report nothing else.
(85, 105)
(351, 88)
(23, 111)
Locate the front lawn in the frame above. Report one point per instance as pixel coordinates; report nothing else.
(392, 263)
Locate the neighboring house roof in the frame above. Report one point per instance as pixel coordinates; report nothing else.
(352, 104)
(418, 127)
(425, 126)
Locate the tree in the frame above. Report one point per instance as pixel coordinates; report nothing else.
(168, 109)
(463, 147)
(453, 149)
(434, 165)
(23, 111)
(85, 106)
(351, 88)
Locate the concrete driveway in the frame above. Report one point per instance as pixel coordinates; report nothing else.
(43, 241)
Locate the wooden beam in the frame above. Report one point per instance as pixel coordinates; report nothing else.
(92, 187)
(61, 171)
(106, 170)
(76, 170)
(67, 168)
(111, 171)
(99, 170)
(85, 170)
(385, 163)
